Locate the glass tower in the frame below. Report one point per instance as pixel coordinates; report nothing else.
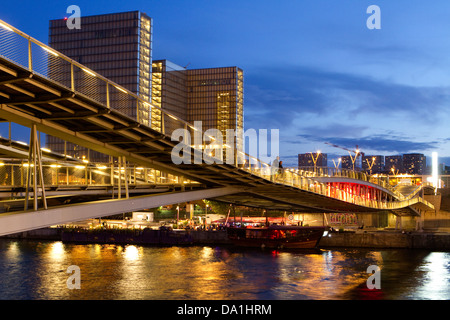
(117, 46)
(214, 96)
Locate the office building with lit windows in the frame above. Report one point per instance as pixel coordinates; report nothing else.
(117, 46)
(214, 96)
(393, 164)
(308, 159)
(353, 161)
(372, 164)
(414, 163)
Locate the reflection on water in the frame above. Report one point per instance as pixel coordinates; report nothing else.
(38, 270)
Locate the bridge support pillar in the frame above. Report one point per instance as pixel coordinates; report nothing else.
(398, 222)
(123, 164)
(34, 162)
(419, 221)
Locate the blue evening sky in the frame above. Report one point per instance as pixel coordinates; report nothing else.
(312, 69)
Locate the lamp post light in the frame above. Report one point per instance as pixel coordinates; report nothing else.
(370, 164)
(336, 166)
(354, 159)
(314, 159)
(394, 172)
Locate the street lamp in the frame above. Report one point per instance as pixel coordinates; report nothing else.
(370, 164)
(336, 166)
(354, 159)
(315, 159)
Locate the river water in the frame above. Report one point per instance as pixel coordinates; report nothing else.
(35, 270)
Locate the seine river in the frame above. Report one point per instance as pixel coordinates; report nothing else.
(38, 270)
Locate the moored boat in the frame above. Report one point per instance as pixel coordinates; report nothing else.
(277, 236)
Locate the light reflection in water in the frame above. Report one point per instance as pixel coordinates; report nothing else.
(37, 270)
(436, 282)
(131, 253)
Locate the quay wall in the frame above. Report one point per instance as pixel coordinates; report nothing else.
(358, 239)
(387, 239)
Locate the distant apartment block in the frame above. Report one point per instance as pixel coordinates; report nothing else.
(372, 164)
(414, 163)
(307, 160)
(350, 162)
(393, 164)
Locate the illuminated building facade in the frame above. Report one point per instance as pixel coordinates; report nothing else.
(393, 164)
(214, 96)
(373, 164)
(414, 163)
(347, 162)
(307, 160)
(117, 46)
(169, 92)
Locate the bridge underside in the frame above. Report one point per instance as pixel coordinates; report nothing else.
(23, 221)
(71, 208)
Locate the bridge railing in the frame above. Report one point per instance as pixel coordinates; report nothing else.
(14, 175)
(358, 175)
(290, 177)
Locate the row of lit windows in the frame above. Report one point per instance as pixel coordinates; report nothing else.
(174, 88)
(113, 66)
(222, 70)
(205, 90)
(119, 19)
(209, 98)
(101, 57)
(92, 46)
(212, 113)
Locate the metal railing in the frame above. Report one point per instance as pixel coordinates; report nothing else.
(41, 59)
(57, 173)
(347, 173)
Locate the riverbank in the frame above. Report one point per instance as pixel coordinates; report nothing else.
(379, 239)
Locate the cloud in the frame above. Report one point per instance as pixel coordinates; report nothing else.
(382, 143)
(277, 97)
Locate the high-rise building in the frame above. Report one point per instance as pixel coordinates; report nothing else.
(307, 160)
(393, 164)
(414, 163)
(169, 92)
(373, 164)
(118, 46)
(352, 162)
(214, 96)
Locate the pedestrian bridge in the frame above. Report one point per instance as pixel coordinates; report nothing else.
(48, 92)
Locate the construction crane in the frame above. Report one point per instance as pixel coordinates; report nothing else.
(357, 152)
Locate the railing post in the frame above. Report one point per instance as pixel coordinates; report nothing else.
(72, 77)
(108, 104)
(137, 111)
(30, 58)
